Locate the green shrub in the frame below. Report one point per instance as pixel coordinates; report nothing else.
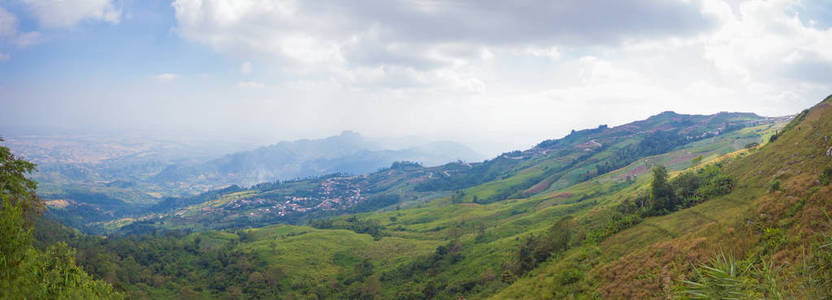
(774, 186)
(773, 238)
(826, 176)
(570, 276)
(715, 182)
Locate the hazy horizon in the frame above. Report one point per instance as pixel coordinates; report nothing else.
(232, 144)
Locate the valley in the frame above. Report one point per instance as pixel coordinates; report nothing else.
(443, 232)
(544, 169)
(99, 179)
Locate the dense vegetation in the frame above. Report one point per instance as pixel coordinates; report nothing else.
(477, 174)
(537, 249)
(666, 196)
(174, 264)
(654, 143)
(352, 223)
(27, 272)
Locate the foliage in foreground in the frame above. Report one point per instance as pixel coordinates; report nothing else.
(26, 272)
(726, 278)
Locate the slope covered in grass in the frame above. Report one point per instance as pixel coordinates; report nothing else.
(777, 217)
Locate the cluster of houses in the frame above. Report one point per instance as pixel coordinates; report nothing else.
(333, 193)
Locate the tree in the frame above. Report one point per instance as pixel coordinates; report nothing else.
(430, 290)
(410, 291)
(560, 233)
(13, 246)
(525, 255)
(686, 186)
(23, 269)
(14, 185)
(661, 193)
(715, 182)
(363, 269)
(371, 288)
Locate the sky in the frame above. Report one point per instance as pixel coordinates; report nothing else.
(495, 75)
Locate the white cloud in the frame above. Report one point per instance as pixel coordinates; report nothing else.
(764, 42)
(166, 76)
(415, 42)
(9, 33)
(62, 13)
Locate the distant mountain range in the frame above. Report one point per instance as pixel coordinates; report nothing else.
(348, 153)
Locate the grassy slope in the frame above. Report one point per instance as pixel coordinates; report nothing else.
(651, 259)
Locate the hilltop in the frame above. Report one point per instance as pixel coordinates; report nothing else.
(348, 153)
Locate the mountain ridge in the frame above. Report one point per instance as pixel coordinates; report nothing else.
(348, 152)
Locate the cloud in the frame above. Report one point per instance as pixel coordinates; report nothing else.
(9, 33)
(423, 34)
(406, 44)
(166, 76)
(765, 42)
(5, 56)
(60, 13)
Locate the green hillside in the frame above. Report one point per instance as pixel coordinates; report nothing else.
(776, 217)
(561, 235)
(540, 172)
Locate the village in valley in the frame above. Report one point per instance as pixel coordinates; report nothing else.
(333, 193)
